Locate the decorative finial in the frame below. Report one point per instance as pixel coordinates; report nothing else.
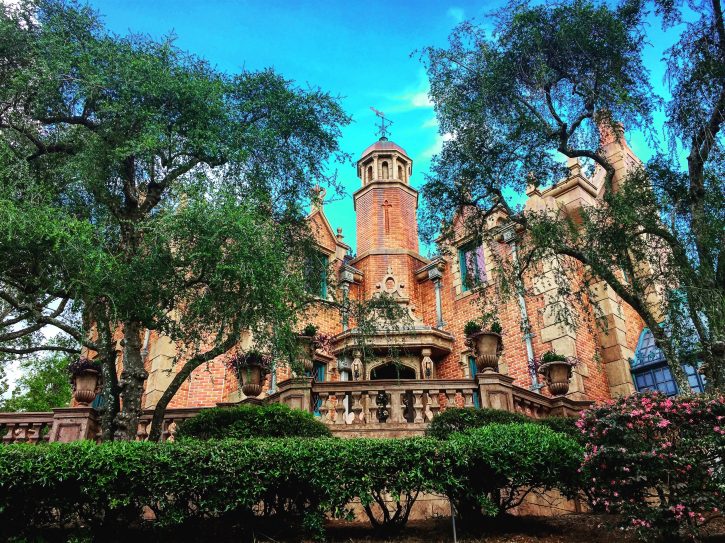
(384, 124)
(317, 195)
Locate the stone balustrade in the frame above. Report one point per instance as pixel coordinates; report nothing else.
(379, 408)
(26, 427)
(172, 419)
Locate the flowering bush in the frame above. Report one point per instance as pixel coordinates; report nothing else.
(657, 461)
(82, 364)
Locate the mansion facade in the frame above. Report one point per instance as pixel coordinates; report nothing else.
(434, 292)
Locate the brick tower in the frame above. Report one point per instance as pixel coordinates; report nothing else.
(387, 228)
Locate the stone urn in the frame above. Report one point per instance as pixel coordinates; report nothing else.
(487, 347)
(252, 376)
(86, 385)
(557, 374)
(309, 346)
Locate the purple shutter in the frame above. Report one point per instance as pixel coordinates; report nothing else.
(480, 265)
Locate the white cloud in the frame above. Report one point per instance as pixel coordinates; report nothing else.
(457, 14)
(437, 145)
(430, 123)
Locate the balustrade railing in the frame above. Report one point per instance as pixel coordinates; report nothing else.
(172, 419)
(25, 427)
(389, 401)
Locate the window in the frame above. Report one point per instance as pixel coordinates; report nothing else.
(651, 372)
(385, 170)
(473, 370)
(473, 266)
(316, 275)
(400, 173)
(370, 173)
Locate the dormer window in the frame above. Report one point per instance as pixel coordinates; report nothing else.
(473, 266)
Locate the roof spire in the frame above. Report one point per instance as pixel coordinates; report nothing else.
(384, 124)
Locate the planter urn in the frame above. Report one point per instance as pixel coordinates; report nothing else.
(252, 378)
(86, 386)
(557, 374)
(487, 348)
(308, 347)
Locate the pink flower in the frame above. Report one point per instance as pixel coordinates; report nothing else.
(664, 423)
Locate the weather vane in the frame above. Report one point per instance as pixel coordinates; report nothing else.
(384, 124)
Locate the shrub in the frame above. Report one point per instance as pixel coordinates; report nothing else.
(489, 470)
(249, 421)
(309, 331)
(657, 461)
(471, 327)
(496, 327)
(564, 425)
(459, 419)
(293, 481)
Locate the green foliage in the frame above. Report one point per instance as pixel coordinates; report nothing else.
(251, 421)
(43, 385)
(493, 468)
(289, 481)
(551, 356)
(137, 180)
(541, 89)
(310, 330)
(471, 327)
(455, 420)
(657, 461)
(496, 327)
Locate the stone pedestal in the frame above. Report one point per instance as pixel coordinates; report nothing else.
(296, 393)
(74, 424)
(496, 390)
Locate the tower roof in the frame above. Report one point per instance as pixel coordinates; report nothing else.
(383, 144)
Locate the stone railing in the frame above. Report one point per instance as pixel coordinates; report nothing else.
(381, 408)
(26, 427)
(172, 419)
(388, 403)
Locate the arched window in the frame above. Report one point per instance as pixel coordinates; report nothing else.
(385, 170)
(400, 173)
(370, 173)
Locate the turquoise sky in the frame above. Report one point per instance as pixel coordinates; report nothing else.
(363, 52)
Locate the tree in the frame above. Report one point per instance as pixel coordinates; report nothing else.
(43, 385)
(146, 190)
(562, 79)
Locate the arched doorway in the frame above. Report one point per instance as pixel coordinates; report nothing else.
(391, 370)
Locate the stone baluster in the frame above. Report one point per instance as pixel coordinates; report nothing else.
(467, 398)
(324, 407)
(142, 433)
(340, 408)
(433, 406)
(372, 409)
(450, 399)
(357, 408)
(418, 405)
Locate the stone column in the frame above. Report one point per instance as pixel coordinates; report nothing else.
(613, 340)
(346, 278)
(436, 276)
(556, 329)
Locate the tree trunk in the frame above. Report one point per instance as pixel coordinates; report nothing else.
(111, 403)
(131, 385)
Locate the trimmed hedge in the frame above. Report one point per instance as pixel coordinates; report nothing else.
(492, 469)
(244, 482)
(252, 421)
(455, 420)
